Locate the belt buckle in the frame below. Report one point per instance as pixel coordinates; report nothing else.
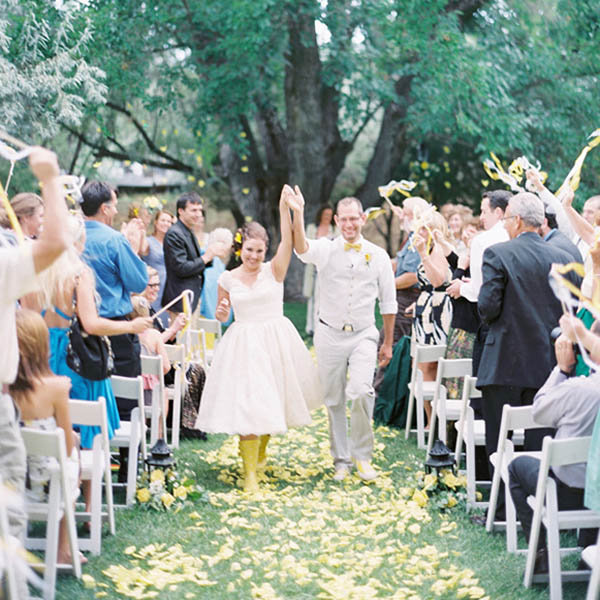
(347, 327)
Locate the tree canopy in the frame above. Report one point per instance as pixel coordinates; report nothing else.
(248, 95)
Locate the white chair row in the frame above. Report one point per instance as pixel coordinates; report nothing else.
(515, 420)
(555, 453)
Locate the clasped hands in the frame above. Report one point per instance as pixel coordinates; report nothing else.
(292, 198)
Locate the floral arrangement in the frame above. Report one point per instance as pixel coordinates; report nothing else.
(368, 259)
(165, 490)
(443, 492)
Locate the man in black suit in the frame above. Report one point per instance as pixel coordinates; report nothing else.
(551, 234)
(184, 260)
(517, 303)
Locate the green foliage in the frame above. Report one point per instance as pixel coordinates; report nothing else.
(44, 80)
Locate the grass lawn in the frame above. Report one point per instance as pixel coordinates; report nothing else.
(304, 536)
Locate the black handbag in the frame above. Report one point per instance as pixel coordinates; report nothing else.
(88, 355)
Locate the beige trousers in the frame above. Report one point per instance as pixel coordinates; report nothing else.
(347, 363)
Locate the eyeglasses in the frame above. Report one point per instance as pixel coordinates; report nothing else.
(507, 218)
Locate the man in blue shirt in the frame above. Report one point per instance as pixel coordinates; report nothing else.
(119, 273)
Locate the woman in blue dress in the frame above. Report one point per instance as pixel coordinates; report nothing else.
(69, 285)
(208, 300)
(155, 258)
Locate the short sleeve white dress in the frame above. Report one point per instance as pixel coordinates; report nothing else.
(263, 379)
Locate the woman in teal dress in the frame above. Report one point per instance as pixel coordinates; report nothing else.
(69, 285)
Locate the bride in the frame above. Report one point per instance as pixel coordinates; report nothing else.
(262, 379)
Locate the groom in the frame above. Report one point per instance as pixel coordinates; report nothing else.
(353, 273)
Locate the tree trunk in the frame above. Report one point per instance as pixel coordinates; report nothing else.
(390, 146)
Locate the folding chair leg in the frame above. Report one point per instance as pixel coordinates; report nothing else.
(552, 535)
(175, 422)
(409, 415)
(132, 468)
(51, 551)
(491, 513)
(420, 423)
(96, 517)
(511, 521)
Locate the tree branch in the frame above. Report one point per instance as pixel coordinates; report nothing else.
(101, 151)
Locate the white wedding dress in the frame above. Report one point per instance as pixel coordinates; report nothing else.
(262, 378)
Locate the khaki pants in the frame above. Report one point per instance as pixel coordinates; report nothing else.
(347, 362)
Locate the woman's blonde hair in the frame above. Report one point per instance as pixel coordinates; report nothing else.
(34, 350)
(433, 220)
(141, 308)
(58, 279)
(24, 205)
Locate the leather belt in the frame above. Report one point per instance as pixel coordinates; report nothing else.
(347, 326)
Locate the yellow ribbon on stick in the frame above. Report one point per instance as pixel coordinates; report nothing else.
(573, 179)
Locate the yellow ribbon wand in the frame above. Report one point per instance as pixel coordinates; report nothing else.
(574, 177)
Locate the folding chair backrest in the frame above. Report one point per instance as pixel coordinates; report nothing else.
(209, 326)
(152, 365)
(566, 451)
(131, 388)
(45, 443)
(424, 354)
(176, 353)
(87, 412)
(454, 367)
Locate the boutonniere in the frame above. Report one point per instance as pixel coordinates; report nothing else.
(368, 259)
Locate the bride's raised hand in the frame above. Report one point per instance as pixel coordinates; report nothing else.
(299, 198)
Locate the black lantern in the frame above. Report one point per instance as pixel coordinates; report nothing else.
(160, 457)
(440, 458)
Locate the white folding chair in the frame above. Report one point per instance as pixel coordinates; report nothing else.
(176, 354)
(95, 465)
(131, 434)
(7, 560)
(443, 408)
(472, 431)
(514, 418)
(591, 555)
(198, 338)
(420, 390)
(153, 365)
(556, 453)
(52, 444)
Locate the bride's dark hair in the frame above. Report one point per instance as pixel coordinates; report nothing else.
(249, 230)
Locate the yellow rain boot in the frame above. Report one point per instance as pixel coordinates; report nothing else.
(262, 451)
(249, 452)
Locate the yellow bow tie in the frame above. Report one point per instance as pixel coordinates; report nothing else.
(349, 246)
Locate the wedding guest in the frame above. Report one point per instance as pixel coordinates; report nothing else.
(208, 303)
(118, 271)
(155, 258)
(43, 402)
(184, 260)
(570, 405)
(18, 268)
(29, 210)
(520, 309)
(68, 287)
(151, 344)
(322, 227)
(194, 376)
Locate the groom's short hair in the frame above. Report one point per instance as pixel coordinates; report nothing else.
(350, 200)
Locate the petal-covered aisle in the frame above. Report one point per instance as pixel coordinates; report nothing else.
(304, 536)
